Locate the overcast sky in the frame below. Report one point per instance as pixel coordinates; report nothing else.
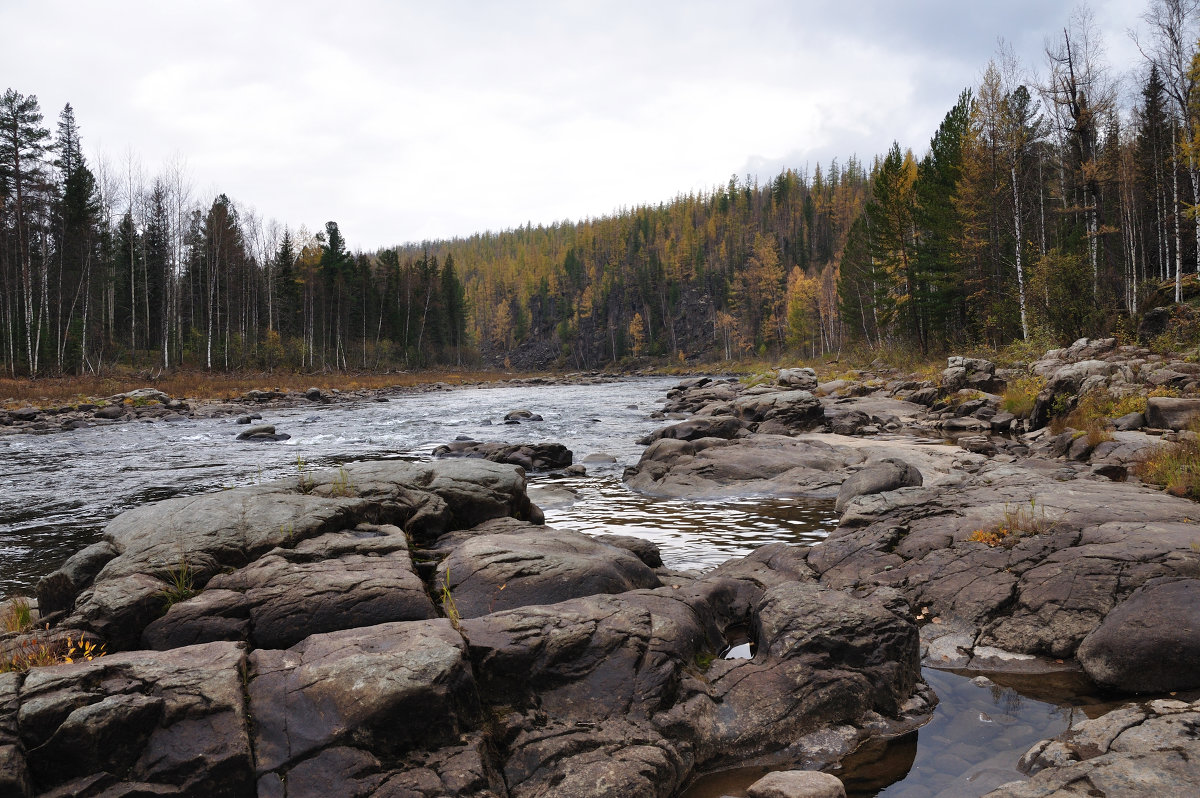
(406, 121)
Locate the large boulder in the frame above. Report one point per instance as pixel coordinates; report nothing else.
(340, 580)
(802, 379)
(1150, 642)
(887, 474)
(1166, 412)
(797, 411)
(183, 543)
(138, 723)
(361, 687)
(500, 565)
(694, 429)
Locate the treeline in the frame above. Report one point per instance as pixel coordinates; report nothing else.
(1042, 208)
(100, 267)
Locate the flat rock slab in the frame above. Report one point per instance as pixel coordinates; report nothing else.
(1073, 550)
(1132, 752)
(775, 465)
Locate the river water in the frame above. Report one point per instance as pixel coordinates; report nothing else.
(57, 491)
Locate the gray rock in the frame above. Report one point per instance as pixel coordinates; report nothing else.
(530, 456)
(848, 422)
(756, 465)
(314, 395)
(340, 580)
(884, 475)
(503, 565)
(172, 721)
(24, 414)
(111, 412)
(804, 379)
(356, 686)
(256, 430)
(1164, 412)
(725, 427)
(1081, 547)
(1130, 752)
(58, 590)
(1150, 642)
(1129, 421)
(797, 784)
(521, 415)
(212, 532)
(645, 550)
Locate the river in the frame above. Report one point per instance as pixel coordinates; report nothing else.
(57, 491)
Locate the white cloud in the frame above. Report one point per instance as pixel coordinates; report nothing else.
(405, 121)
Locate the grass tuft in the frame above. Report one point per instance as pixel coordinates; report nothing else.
(1175, 467)
(1017, 522)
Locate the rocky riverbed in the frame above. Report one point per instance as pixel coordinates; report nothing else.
(396, 628)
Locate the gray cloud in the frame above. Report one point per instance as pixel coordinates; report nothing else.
(405, 121)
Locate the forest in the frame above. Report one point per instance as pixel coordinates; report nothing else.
(1051, 202)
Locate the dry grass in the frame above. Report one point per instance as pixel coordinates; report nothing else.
(39, 651)
(204, 385)
(1020, 395)
(1174, 467)
(1017, 523)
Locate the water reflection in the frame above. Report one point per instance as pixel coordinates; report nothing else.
(691, 535)
(978, 732)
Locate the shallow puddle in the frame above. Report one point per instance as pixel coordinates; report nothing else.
(971, 745)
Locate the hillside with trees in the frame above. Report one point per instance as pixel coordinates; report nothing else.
(1042, 208)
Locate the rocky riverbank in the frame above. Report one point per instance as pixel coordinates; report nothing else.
(415, 629)
(412, 629)
(150, 405)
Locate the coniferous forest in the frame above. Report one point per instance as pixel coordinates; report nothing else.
(1051, 202)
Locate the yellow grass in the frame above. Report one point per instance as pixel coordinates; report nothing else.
(202, 385)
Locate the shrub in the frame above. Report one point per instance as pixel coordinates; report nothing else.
(1021, 394)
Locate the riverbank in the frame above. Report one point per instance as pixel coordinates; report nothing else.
(569, 664)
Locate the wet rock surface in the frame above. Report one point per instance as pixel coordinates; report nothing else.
(1132, 752)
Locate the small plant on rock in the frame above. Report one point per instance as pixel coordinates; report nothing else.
(1021, 394)
(18, 615)
(306, 481)
(1017, 523)
(341, 485)
(448, 605)
(181, 584)
(37, 652)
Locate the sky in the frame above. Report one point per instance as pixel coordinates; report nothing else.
(408, 121)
